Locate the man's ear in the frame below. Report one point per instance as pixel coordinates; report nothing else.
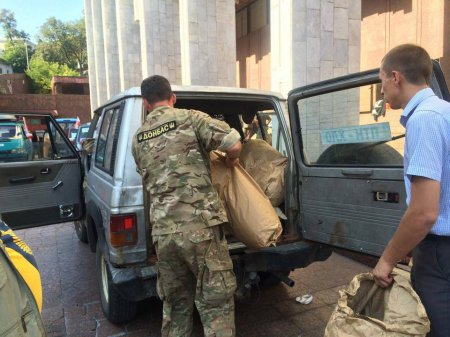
(397, 76)
(147, 105)
(173, 99)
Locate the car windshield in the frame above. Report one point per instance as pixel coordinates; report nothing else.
(9, 132)
(66, 125)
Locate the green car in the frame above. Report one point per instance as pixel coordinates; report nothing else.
(14, 144)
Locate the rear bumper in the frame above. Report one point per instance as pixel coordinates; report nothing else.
(134, 283)
(138, 283)
(285, 257)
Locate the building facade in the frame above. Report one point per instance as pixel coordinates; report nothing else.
(191, 42)
(5, 68)
(388, 23)
(277, 44)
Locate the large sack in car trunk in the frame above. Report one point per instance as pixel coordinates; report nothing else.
(266, 166)
(252, 218)
(364, 309)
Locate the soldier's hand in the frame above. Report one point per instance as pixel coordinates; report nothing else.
(230, 162)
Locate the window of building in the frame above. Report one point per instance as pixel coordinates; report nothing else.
(252, 17)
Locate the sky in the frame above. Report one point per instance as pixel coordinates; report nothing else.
(31, 14)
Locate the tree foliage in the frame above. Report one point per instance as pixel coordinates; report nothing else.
(15, 54)
(41, 73)
(61, 49)
(9, 25)
(64, 43)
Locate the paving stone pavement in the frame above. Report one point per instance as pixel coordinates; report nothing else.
(72, 304)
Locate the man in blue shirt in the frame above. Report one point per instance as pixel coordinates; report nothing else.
(425, 227)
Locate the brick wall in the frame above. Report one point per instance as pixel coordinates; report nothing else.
(64, 105)
(14, 84)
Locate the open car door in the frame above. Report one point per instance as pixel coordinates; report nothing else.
(348, 145)
(40, 172)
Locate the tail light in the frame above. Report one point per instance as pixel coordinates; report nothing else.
(123, 230)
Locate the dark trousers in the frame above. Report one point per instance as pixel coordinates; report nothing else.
(431, 280)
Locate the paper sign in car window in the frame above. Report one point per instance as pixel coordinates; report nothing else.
(357, 134)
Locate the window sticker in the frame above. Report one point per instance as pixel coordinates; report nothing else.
(357, 134)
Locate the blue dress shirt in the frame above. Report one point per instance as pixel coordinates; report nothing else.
(427, 149)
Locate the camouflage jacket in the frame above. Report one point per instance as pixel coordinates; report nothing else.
(171, 151)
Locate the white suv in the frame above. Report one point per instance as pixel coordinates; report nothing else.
(343, 182)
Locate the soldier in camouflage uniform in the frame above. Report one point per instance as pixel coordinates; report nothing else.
(171, 151)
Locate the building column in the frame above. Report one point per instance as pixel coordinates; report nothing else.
(313, 40)
(208, 42)
(160, 33)
(111, 47)
(99, 52)
(90, 53)
(281, 31)
(129, 45)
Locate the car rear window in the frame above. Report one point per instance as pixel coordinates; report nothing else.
(84, 131)
(9, 131)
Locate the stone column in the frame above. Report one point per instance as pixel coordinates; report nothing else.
(90, 53)
(99, 52)
(111, 47)
(129, 45)
(208, 42)
(281, 43)
(313, 40)
(160, 35)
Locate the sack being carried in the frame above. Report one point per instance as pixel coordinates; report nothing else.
(364, 309)
(266, 166)
(250, 213)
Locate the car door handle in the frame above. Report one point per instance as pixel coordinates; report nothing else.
(46, 170)
(58, 185)
(15, 180)
(357, 173)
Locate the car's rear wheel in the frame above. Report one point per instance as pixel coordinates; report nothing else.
(116, 309)
(81, 231)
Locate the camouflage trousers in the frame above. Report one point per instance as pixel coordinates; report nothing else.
(195, 267)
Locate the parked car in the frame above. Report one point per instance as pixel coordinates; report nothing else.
(14, 144)
(81, 136)
(72, 134)
(343, 182)
(66, 123)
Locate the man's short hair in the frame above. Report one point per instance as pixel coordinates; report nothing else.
(156, 88)
(412, 61)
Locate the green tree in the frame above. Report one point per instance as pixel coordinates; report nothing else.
(9, 26)
(64, 43)
(17, 40)
(15, 54)
(41, 73)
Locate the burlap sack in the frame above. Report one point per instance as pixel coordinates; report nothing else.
(266, 166)
(252, 218)
(367, 310)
